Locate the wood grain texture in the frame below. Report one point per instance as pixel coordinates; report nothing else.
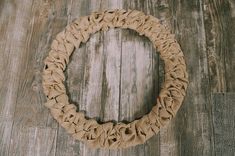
(223, 123)
(117, 75)
(219, 26)
(191, 129)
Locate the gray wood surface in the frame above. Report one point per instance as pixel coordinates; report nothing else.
(117, 75)
(223, 123)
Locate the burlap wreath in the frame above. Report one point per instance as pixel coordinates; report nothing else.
(110, 135)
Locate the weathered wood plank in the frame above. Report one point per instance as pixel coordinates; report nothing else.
(219, 25)
(90, 100)
(136, 82)
(14, 21)
(30, 96)
(138, 79)
(102, 81)
(223, 123)
(229, 22)
(112, 49)
(191, 130)
(215, 44)
(85, 73)
(99, 91)
(28, 141)
(5, 135)
(168, 142)
(66, 145)
(230, 55)
(30, 110)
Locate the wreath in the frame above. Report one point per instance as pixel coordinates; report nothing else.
(110, 135)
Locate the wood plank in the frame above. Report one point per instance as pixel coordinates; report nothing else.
(30, 96)
(168, 142)
(215, 44)
(91, 86)
(219, 23)
(65, 144)
(30, 112)
(28, 141)
(5, 135)
(136, 82)
(191, 130)
(84, 81)
(229, 22)
(138, 79)
(223, 123)
(14, 20)
(100, 92)
(111, 74)
(112, 52)
(96, 91)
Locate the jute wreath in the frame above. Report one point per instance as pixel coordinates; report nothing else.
(110, 135)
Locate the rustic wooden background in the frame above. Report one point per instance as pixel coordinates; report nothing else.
(117, 75)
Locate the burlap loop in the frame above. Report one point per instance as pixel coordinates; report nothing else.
(110, 135)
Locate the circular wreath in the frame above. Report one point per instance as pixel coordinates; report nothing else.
(110, 135)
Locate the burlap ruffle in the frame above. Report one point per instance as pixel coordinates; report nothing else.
(109, 135)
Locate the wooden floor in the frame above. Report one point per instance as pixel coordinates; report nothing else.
(117, 76)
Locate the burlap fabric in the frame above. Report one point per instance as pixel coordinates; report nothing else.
(110, 135)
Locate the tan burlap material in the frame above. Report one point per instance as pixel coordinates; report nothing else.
(110, 135)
